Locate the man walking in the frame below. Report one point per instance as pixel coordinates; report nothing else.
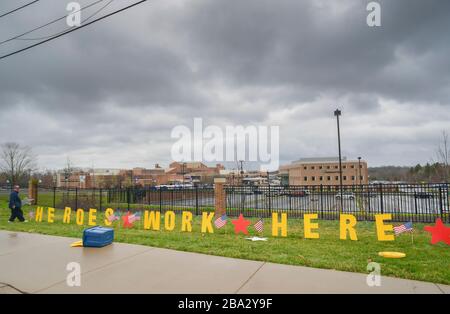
(15, 204)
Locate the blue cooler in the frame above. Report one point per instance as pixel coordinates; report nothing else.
(98, 236)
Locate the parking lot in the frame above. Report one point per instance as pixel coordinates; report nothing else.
(387, 204)
(425, 207)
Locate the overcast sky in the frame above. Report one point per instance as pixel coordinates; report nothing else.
(110, 94)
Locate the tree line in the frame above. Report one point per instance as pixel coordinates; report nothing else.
(435, 171)
(432, 173)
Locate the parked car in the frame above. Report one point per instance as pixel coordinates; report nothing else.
(423, 195)
(297, 193)
(345, 196)
(275, 191)
(371, 194)
(245, 190)
(257, 191)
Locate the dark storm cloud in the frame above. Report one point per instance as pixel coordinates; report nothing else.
(121, 85)
(302, 44)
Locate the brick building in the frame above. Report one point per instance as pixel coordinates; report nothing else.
(88, 178)
(324, 171)
(191, 172)
(195, 172)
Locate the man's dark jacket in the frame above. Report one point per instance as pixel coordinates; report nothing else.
(14, 200)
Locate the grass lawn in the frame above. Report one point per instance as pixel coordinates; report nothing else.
(424, 261)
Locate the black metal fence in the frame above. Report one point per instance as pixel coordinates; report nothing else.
(418, 203)
(195, 199)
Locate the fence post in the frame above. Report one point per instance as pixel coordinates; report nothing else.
(128, 198)
(441, 206)
(219, 197)
(447, 200)
(381, 198)
(255, 196)
(76, 198)
(290, 200)
(54, 197)
(101, 196)
(160, 199)
(196, 201)
(415, 206)
(33, 191)
(321, 201)
(447, 197)
(171, 199)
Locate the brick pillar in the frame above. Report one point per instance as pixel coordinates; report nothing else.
(33, 191)
(220, 196)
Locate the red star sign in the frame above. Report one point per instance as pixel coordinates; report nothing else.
(240, 225)
(439, 232)
(126, 221)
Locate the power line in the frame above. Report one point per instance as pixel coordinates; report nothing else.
(19, 8)
(72, 30)
(49, 23)
(88, 18)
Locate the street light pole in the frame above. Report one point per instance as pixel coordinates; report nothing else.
(359, 175)
(241, 162)
(183, 170)
(359, 169)
(337, 114)
(131, 177)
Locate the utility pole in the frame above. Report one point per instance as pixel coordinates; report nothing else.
(359, 170)
(268, 185)
(183, 170)
(337, 114)
(93, 176)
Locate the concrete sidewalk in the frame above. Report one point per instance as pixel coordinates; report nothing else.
(37, 264)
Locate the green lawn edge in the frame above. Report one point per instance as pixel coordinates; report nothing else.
(424, 262)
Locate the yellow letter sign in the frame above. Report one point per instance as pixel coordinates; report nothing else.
(309, 226)
(276, 225)
(347, 224)
(382, 228)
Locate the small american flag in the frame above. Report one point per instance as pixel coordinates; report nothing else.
(221, 221)
(403, 228)
(113, 217)
(259, 226)
(135, 217)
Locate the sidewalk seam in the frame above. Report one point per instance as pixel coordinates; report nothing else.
(95, 269)
(249, 278)
(12, 287)
(443, 292)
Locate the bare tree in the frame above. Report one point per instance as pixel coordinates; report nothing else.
(16, 162)
(443, 155)
(46, 178)
(68, 171)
